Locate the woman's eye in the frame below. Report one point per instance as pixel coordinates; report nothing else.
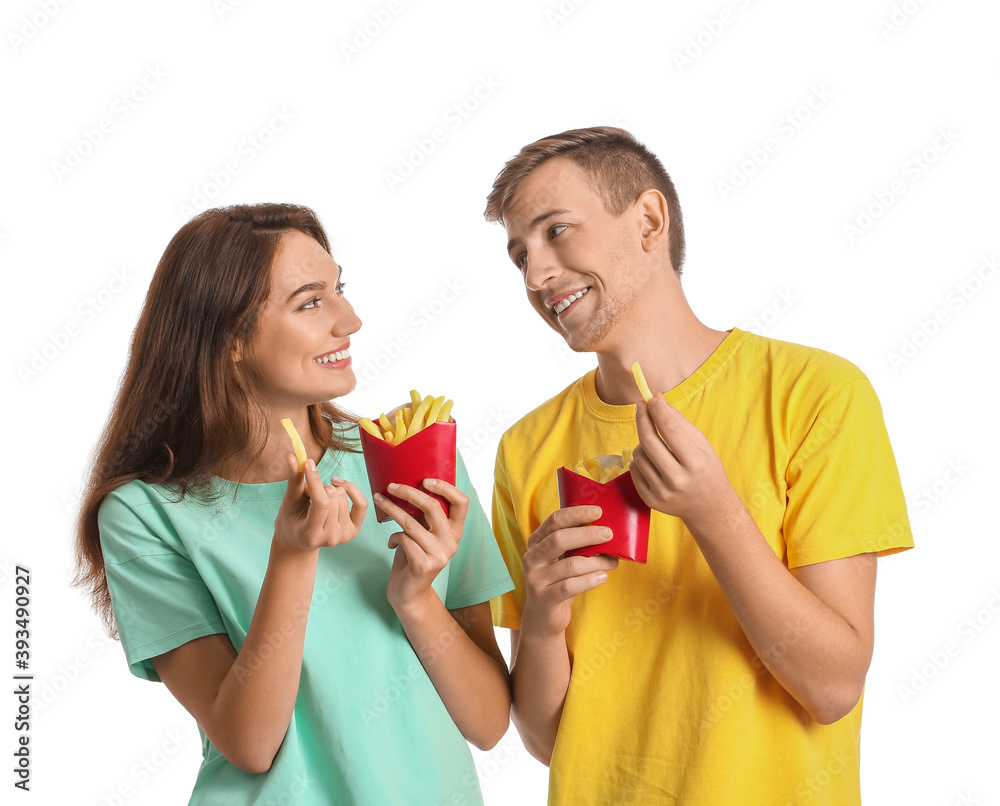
(341, 287)
(554, 231)
(313, 303)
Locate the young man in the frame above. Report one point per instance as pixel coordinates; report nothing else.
(729, 668)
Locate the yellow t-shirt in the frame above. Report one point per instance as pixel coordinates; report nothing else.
(668, 703)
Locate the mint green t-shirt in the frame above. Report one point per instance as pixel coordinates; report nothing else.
(368, 726)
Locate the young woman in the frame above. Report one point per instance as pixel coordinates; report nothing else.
(327, 658)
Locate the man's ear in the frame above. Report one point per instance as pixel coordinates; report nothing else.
(655, 219)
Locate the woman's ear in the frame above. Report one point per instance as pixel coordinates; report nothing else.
(236, 354)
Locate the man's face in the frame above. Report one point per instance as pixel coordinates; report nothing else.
(578, 260)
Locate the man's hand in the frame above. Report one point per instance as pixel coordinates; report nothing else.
(674, 467)
(552, 580)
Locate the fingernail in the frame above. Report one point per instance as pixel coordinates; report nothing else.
(603, 576)
(394, 486)
(334, 478)
(310, 465)
(430, 482)
(377, 496)
(606, 533)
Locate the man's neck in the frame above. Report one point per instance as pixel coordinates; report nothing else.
(668, 347)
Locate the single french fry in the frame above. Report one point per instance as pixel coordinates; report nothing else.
(435, 410)
(297, 446)
(407, 415)
(386, 425)
(640, 381)
(371, 428)
(420, 414)
(400, 428)
(388, 437)
(415, 399)
(444, 416)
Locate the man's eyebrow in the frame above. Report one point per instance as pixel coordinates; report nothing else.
(315, 285)
(538, 219)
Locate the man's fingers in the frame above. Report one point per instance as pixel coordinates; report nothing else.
(674, 428)
(569, 587)
(565, 518)
(657, 447)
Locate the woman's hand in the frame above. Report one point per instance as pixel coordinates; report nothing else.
(312, 516)
(421, 553)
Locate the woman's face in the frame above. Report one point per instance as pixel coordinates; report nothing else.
(301, 346)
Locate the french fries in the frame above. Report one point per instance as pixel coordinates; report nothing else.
(640, 381)
(297, 446)
(409, 420)
(591, 468)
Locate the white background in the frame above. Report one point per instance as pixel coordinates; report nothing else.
(772, 256)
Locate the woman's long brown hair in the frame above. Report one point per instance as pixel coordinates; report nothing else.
(184, 407)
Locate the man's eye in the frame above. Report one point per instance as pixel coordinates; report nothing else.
(341, 287)
(520, 261)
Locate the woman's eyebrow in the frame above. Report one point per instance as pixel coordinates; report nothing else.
(315, 285)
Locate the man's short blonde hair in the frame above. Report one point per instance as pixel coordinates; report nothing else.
(618, 167)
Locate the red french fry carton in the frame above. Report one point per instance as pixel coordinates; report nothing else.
(622, 511)
(428, 454)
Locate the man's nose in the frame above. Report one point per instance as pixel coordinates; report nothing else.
(542, 267)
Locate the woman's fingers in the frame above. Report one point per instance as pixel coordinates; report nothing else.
(359, 503)
(457, 500)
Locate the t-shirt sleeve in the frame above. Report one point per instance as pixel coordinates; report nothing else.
(843, 487)
(477, 572)
(158, 597)
(507, 609)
